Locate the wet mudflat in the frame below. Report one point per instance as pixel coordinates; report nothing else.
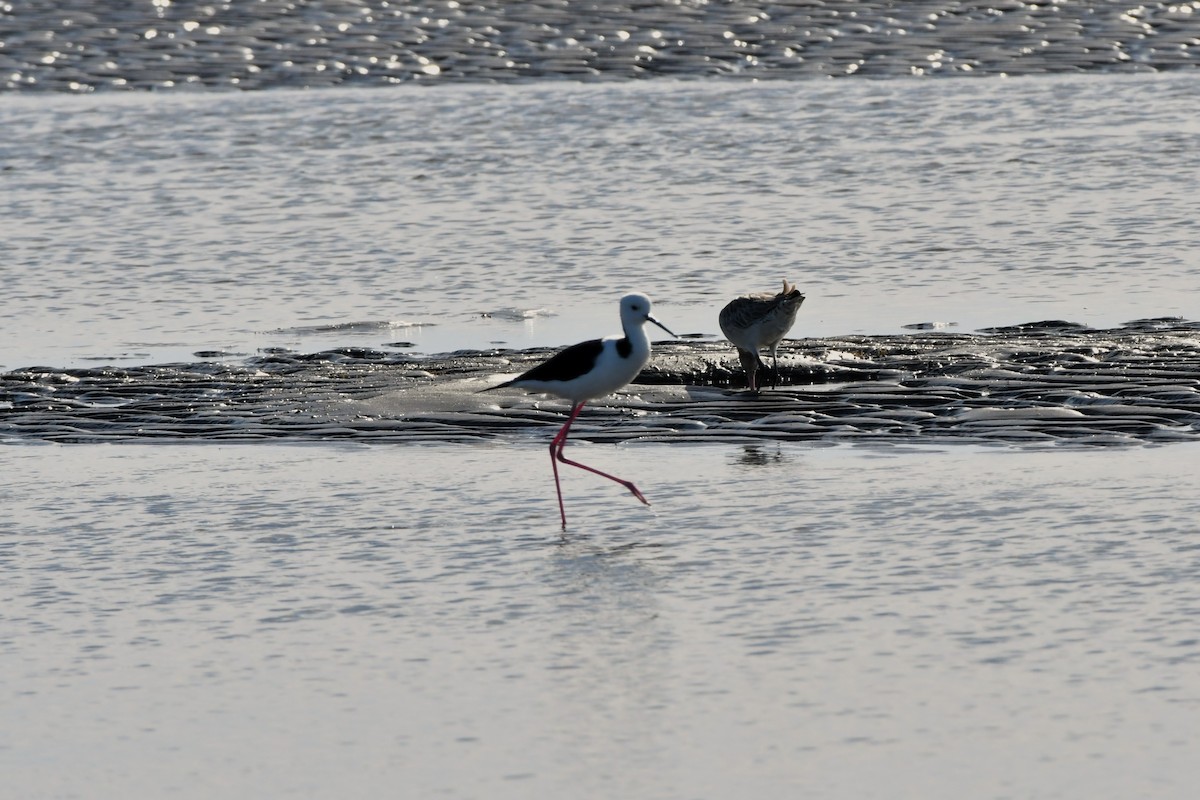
(1039, 383)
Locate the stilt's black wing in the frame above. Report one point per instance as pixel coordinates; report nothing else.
(564, 365)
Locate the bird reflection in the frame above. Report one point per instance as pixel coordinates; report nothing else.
(754, 455)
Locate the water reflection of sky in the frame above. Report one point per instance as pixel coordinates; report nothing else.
(977, 203)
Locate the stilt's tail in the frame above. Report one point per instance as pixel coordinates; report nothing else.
(493, 388)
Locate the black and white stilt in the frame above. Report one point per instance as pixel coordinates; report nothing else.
(589, 370)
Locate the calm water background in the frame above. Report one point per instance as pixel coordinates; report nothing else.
(188, 621)
(319, 620)
(143, 228)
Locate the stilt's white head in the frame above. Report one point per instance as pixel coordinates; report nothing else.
(635, 312)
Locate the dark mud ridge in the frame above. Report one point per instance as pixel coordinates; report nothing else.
(1047, 382)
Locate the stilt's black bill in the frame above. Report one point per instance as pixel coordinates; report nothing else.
(664, 327)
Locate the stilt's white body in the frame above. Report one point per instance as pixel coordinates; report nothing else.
(592, 369)
(755, 321)
(609, 372)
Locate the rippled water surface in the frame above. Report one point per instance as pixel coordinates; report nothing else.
(146, 228)
(191, 621)
(262, 537)
(171, 45)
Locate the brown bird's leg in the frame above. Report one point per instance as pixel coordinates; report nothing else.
(750, 363)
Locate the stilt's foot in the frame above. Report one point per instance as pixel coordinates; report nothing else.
(629, 485)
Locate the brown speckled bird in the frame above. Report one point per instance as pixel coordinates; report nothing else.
(755, 321)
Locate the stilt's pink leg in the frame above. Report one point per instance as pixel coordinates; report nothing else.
(556, 446)
(561, 441)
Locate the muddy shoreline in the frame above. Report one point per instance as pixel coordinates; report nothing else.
(1045, 382)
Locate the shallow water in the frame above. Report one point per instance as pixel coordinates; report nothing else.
(185, 621)
(145, 229)
(172, 45)
(832, 595)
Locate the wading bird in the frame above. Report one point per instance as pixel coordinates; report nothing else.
(589, 370)
(755, 321)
